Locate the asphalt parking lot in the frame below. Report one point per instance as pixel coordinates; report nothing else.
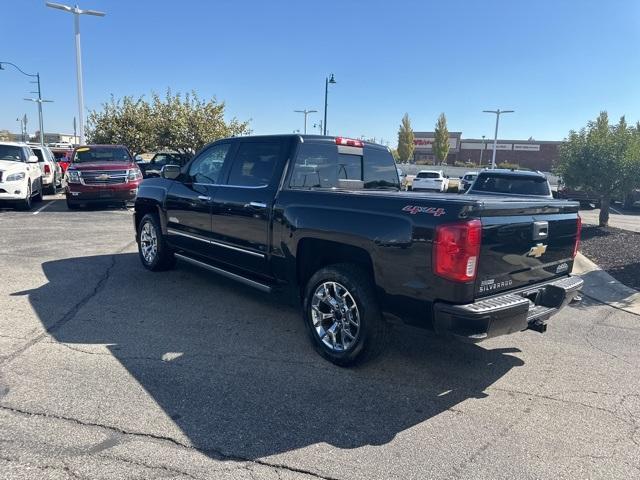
(110, 371)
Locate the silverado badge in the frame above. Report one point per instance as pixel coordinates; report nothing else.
(537, 251)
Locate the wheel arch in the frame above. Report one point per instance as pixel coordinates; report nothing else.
(312, 254)
(143, 208)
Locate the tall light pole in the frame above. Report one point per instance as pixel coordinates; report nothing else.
(305, 112)
(76, 17)
(39, 92)
(331, 79)
(497, 112)
(481, 151)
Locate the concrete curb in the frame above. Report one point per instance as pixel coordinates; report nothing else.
(601, 286)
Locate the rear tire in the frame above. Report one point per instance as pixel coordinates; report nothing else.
(337, 298)
(38, 196)
(153, 250)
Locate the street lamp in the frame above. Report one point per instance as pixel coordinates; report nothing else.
(306, 112)
(23, 126)
(495, 138)
(76, 17)
(39, 99)
(481, 151)
(327, 81)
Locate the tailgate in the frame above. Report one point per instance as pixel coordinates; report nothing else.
(525, 245)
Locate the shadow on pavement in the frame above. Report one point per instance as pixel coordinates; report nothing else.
(234, 370)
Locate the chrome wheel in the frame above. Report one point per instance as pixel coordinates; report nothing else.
(335, 316)
(148, 242)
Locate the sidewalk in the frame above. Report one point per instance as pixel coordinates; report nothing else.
(629, 222)
(601, 286)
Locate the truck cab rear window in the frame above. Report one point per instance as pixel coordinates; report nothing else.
(321, 166)
(511, 184)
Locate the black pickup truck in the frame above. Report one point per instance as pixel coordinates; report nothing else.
(323, 218)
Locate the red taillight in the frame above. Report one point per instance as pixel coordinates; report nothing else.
(47, 168)
(456, 248)
(576, 246)
(349, 142)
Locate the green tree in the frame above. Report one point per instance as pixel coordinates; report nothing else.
(602, 158)
(441, 141)
(405, 140)
(179, 122)
(125, 121)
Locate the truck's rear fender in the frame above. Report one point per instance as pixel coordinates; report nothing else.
(317, 236)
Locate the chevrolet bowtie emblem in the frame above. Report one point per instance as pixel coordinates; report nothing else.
(103, 176)
(537, 251)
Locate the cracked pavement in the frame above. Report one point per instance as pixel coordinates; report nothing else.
(110, 371)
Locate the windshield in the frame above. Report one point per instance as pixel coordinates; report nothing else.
(512, 184)
(101, 154)
(12, 153)
(428, 175)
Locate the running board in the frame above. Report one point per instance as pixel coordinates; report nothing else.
(233, 276)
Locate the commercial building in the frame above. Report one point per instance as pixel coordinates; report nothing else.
(48, 137)
(532, 154)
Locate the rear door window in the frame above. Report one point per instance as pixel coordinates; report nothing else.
(254, 164)
(38, 153)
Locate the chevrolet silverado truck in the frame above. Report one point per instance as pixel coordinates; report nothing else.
(323, 219)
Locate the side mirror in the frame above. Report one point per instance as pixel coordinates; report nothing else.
(170, 172)
(32, 159)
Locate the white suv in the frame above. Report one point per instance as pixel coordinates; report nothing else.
(430, 180)
(51, 171)
(20, 175)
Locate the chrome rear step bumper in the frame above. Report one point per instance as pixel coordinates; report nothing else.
(527, 308)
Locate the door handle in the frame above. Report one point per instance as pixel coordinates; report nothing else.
(204, 198)
(256, 205)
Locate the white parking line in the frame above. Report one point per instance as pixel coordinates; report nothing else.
(615, 211)
(42, 208)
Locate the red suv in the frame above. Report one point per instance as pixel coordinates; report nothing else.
(101, 174)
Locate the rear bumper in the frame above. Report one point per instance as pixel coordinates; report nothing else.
(525, 308)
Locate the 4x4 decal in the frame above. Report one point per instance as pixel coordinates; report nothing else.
(436, 212)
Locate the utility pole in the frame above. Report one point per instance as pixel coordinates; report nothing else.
(75, 137)
(77, 11)
(331, 79)
(305, 112)
(481, 151)
(497, 113)
(38, 100)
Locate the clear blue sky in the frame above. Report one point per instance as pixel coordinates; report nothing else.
(557, 63)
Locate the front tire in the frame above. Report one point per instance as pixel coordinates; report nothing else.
(153, 250)
(342, 315)
(26, 203)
